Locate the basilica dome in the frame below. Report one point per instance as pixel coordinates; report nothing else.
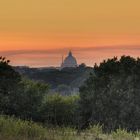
(69, 62)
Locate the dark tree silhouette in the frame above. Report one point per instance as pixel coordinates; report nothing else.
(111, 96)
(9, 80)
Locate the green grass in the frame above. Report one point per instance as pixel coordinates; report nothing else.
(16, 129)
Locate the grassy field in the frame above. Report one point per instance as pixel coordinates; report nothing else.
(16, 129)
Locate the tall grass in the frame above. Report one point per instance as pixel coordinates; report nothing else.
(16, 129)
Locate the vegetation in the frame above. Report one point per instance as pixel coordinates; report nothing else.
(60, 110)
(9, 83)
(107, 107)
(18, 96)
(68, 79)
(111, 96)
(16, 129)
(31, 95)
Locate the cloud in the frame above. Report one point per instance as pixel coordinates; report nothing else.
(74, 49)
(52, 57)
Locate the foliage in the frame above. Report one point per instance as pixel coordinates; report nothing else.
(16, 129)
(9, 82)
(123, 134)
(64, 89)
(18, 96)
(31, 95)
(111, 95)
(96, 130)
(59, 110)
(56, 77)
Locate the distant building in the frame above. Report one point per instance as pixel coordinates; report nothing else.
(69, 62)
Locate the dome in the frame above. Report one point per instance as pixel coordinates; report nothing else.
(70, 61)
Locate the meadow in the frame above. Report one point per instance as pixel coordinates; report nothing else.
(16, 129)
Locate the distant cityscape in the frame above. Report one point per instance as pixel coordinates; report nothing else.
(68, 62)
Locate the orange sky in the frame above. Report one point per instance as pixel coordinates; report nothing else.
(38, 32)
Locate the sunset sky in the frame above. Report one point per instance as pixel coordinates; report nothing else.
(38, 32)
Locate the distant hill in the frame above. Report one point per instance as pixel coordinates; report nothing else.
(70, 77)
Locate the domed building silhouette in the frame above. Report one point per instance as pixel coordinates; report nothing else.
(69, 62)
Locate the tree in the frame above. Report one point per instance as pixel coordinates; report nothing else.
(82, 66)
(64, 89)
(29, 99)
(59, 110)
(111, 95)
(9, 82)
(19, 96)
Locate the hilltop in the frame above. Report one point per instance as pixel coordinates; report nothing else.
(69, 79)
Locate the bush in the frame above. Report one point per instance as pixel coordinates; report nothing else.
(59, 110)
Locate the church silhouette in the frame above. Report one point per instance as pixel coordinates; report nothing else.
(69, 62)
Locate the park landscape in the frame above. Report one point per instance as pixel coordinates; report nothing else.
(69, 70)
(106, 106)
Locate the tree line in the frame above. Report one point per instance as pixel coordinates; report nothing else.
(109, 97)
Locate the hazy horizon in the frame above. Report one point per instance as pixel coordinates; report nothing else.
(37, 33)
(89, 55)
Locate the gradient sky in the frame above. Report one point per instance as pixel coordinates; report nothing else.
(38, 32)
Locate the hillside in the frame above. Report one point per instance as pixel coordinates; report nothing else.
(71, 78)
